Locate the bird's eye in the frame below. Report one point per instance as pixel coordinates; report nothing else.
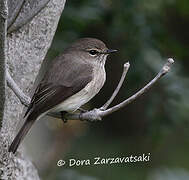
(93, 52)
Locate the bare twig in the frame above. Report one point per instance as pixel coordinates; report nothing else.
(125, 70)
(18, 92)
(97, 114)
(162, 72)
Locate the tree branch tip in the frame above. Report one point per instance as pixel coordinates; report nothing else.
(170, 60)
(127, 65)
(166, 69)
(167, 66)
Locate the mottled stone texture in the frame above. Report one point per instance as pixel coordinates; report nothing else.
(26, 49)
(23, 11)
(14, 7)
(3, 26)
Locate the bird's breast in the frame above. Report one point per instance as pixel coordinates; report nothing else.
(86, 94)
(99, 77)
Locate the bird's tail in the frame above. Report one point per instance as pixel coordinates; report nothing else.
(21, 134)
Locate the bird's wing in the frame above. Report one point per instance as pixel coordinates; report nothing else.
(57, 87)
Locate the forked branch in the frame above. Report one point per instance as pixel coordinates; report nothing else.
(97, 114)
(125, 70)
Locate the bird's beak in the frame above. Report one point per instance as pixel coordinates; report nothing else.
(108, 51)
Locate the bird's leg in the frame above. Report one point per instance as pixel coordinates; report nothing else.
(63, 113)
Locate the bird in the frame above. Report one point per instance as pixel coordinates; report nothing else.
(72, 79)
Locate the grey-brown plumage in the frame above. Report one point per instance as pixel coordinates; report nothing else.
(72, 80)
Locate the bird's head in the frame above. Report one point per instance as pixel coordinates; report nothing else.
(91, 50)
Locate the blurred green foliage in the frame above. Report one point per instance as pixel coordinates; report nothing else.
(145, 32)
